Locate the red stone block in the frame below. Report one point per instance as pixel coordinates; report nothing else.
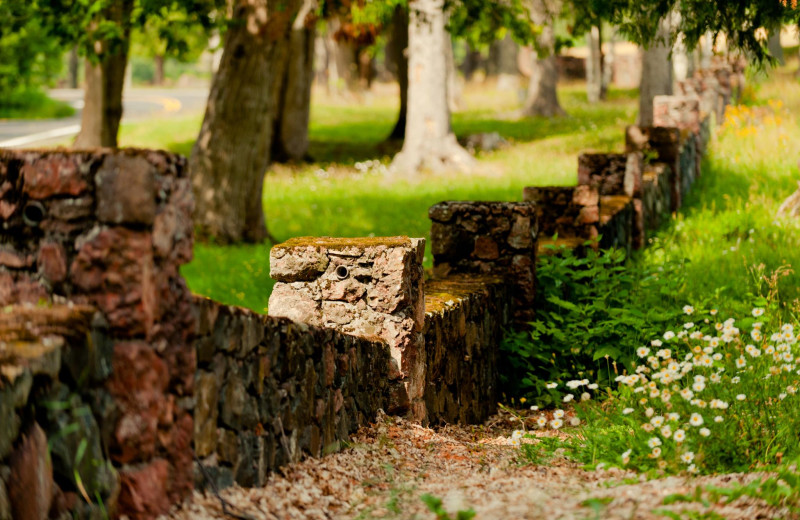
(52, 262)
(53, 174)
(143, 493)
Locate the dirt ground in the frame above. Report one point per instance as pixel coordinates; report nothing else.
(390, 465)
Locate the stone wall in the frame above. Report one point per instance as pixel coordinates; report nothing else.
(465, 316)
(270, 391)
(110, 229)
(498, 238)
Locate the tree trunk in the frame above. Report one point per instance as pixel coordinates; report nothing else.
(290, 141)
(429, 142)
(594, 67)
(158, 77)
(680, 59)
(774, 45)
(231, 154)
(656, 74)
(332, 66)
(398, 47)
(542, 99)
(102, 96)
(608, 62)
(503, 54)
(706, 50)
(472, 61)
(73, 67)
(454, 91)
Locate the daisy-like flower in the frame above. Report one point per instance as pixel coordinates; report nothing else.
(558, 414)
(627, 411)
(741, 397)
(656, 343)
(574, 421)
(585, 396)
(791, 389)
(551, 385)
(757, 312)
(666, 431)
(593, 386)
(718, 419)
(687, 457)
(705, 432)
(648, 427)
(657, 421)
(713, 312)
(687, 394)
(782, 396)
(688, 325)
(679, 436)
(692, 468)
(567, 398)
(696, 335)
(642, 352)
(669, 335)
(741, 362)
(653, 442)
(517, 434)
(656, 452)
(541, 422)
(688, 309)
(515, 441)
(672, 416)
(534, 408)
(696, 419)
(626, 456)
(649, 412)
(664, 353)
(715, 378)
(556, 423)
(698, 386)
(756, 335)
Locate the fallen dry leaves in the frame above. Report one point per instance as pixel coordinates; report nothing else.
(390, 465)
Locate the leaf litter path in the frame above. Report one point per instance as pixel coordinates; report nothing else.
(388, 466)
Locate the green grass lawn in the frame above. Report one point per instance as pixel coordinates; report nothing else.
(726, 227)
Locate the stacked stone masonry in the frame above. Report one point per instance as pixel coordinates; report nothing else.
(110, 229)
(112, 371)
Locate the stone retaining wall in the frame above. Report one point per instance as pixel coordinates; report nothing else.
(270, 391)
(110, 229)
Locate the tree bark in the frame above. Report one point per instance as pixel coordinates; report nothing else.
(503, 56)
(774, 45)
(542, 99)
(594, 67)
(232, 151)
(454, 91)
(656, 74)
(102, 97)
(398, 49)
(429, 141)
(290, 141)
(158, 62)
(73, 67)
(472, 62)
(608, 62)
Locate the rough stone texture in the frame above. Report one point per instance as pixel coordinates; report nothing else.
(618, 215)
(656, 194)
(497, 238)
(110, 229)
(616, 174)
(569, 212)
(682, 111)
(464, 320)
(663, 145)
(367, 287)
(270, 391)
(30, 487)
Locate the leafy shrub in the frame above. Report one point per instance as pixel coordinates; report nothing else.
(591, 314)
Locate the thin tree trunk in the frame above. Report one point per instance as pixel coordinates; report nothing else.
(158, 77)
(398, 48)
(102, 97)
(429, 142)
(656, 74)
(505, 64)
(594, 72)
(706, 50)
(332, 68)
(290, 142)
(680, 59)
(454, 91)
(774, 45)
(471, 63)
(608, 62)
(542, 99)
(232, 151)
(73, 67)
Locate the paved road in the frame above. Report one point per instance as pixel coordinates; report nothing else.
(138, 103)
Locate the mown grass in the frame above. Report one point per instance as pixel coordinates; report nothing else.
(33, 104)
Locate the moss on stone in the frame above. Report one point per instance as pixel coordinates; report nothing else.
(337, 242)
(455, 289)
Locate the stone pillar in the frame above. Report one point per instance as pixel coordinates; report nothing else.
(110, 228)
(569, 212)
(497, 238)
(366, 287)
(665, 144)
(616, 174)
